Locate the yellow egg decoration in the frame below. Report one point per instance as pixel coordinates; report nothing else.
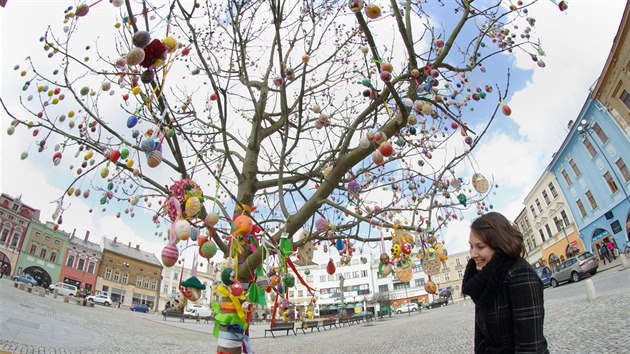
(430, 287)
(193, 206)
(104, 172)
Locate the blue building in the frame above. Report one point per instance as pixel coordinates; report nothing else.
(592, 170)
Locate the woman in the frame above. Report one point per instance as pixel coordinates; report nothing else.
(507, 293)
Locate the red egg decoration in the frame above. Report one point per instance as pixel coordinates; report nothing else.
(506, 110)
(330, 267)
(386, 149)
(114, 156)
(170, 254)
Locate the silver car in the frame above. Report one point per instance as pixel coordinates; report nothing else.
(575, 268)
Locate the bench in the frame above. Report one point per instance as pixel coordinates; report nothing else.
(312, 324)
(329, 322)
(206, 319)
(279, 326)
(179, 315)
(346, 320)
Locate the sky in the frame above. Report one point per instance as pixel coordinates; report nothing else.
(515, 151)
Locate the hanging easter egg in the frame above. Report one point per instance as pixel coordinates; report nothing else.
(274, 279)
(227, 276)
(133, 200)
(236, 289)
(132, 121)
(307, 271)
(386, 269)
(194, 233)
(135, 56)
(288, 280)
(211, 219)
(82, 10)
(377, 157)
(316, 109)
(330, 267)
(170, 254)
(364, 142)
(455, 183)
(355, 5)
(462, 199)
(154, 158)
(105, 86)
(506, 110)
(124, 153)
(104, 172)
(339, 245)
(141, 39)
(24, 155)
(56, 158)
(262, 282)
(386, 149)
(10, 130)
(321, 224)
(209, 249)
(243, 225)
(373, 11)
(193, 206)
(430, 287)
(480, 183)
(306, 252)
(182, 229)
(202, 239)
(114, 156)
(170, 42)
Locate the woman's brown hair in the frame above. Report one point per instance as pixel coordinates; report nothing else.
(498, 232)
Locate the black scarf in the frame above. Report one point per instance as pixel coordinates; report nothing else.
(483, 286)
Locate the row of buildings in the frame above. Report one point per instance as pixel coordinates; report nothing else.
(581, 200)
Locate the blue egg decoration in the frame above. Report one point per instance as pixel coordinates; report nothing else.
(147, 145)
(339, 245)
(132, 121)
(135, 134)
(194, 233)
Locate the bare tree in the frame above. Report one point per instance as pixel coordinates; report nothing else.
(332, 117)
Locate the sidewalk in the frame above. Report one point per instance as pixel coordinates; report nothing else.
(615, 263)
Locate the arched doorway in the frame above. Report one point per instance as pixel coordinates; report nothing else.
(5, 262)
(42, 276)
(600, 236)
(554, 262)
(628, 227)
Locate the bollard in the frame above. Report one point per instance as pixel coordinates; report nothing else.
(590, 290)
(55, 292)
(624, 261)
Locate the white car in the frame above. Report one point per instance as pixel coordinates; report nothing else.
(411, 307)
(100, 299)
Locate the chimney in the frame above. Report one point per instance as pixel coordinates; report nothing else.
(115, 239)
(129, 245)
(138, 247)
(87, 234)
(73, 231)
(570, 124)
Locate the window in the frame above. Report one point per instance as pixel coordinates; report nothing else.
(565, 218)
(552, 189)
(548, 230)
(57, 242)
(53, 256)
(531, 207)
(91, 267)
(5, 234)
(125, 277)
(589, 147)
(591, 199)
(546, 197)
(37, 234)
(139, 281)
(81, 264)
(621, 165)
(174, 277)
(165, 289)
(300, 293)
(47, 238)
(322, 278)
(419, 282)
(356, 274)
(174, 292)
(33, 249)
(447, 277)
(108, 273)
(566, 177)
(575, 167)
(600, 133)
(146, 283)
(153, 284)
(458, 262)
(331, 277)
(580, 206)
(401, 286)
(625, 98)
(436, 279)
(460, 274)
(364, 273)
(542, 234)
(558, 223)
(611, 182)
(16, 238)
(42, 253)
(538, 205)
(116, 275)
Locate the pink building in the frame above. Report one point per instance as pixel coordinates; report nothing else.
(15, 218)
(81, 263)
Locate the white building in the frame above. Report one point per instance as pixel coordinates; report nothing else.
(173, 276)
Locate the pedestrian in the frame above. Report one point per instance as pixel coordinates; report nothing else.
(508, 295)
(602, 253)
(2, 271)
(606, 253)
(611, 248)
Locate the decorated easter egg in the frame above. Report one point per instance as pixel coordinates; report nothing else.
(212, 219)
(209, 249)
(373, 11)
(141, 39)
(243, 224)
(170, 254)
(132, 121)
(330, 267)
(135, 56)
(193, 206)
(262, 282)
(154, 158)
(182, 229)
(288, 280)
(236, 288)
(194, 233)
(430, 287)
(480, 183)
(227, 276)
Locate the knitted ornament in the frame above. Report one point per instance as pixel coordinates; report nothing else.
(227, 276)
(141, 39)
(153, 52)
(135, 56)
(193, 206)
(209, 249)
(170, 254)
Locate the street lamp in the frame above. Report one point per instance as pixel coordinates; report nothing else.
(584, 129)
(341, 305)
(124, 265)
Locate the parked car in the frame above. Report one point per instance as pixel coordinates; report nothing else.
(100, 299)
(446, 293)
(199, 312)
(189, 312)
(25, 278)
(170, 312)
(139, 308)
(440, 302)
(411, 307)
(544, 273)
(64, 289)
(575, 268)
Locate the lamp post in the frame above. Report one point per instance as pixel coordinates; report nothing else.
(123, 265)
(342, 307)
(584, 129)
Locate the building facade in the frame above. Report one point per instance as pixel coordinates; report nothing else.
(533, 252)
(128, 274)
(173, 276)
(553, 227)
(15, 218)
(592, 171)
(613, 87)
(81, 263)
(42, 252)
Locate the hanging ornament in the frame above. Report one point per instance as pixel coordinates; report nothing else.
(330, 267)
(170, 254)
(480, 183)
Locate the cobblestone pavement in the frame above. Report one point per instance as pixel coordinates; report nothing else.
(33, 324)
